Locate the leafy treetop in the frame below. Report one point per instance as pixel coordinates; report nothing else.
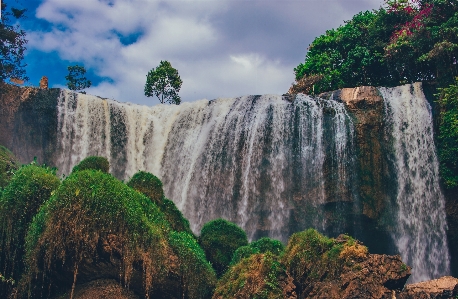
(164, 82)
(76, 79)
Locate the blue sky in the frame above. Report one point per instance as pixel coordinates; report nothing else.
(221, 48)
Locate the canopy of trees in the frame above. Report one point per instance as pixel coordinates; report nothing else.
(403, 42)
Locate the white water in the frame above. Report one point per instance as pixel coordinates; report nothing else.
(420, 234)
(266, 164)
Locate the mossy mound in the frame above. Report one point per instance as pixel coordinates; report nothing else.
(92, 215)
(220, 239)
(260, 276)
(197, 275)
(29, 188)
(262, 245)
(8, 163)
(311, 257)
(174, 216)
(93, 162)
(149, 185)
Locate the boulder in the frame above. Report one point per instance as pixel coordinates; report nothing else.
(441, 288)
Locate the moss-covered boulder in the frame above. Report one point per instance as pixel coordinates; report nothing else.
(93, 162)
(262, 245)
(151, 186)
(148, 184)
(259, 276)
(8, 163)
(341, 268)
(220, 239)
(29, 188)
(197, 275)
(93, 227)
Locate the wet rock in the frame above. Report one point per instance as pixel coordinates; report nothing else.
(442, 288)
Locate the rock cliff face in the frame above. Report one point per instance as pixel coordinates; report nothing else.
(272, 166)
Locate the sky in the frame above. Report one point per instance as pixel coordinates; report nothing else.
(221, 48)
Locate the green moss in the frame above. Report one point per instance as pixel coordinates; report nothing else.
(8, 164)
(220, 238)
(198, 276)
(243, 252)
(87, 208)
(310, 256)
(174, 216)
(258, 276)
(147, 184)
(29, 188)
(268, 245)
(93, 162)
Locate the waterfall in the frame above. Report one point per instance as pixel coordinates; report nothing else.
(254, 160)
(271, 166)
(420, 233)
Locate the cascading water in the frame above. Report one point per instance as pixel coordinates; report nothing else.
(420, 233)
(271, 166)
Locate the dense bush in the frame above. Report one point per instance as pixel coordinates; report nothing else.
(29, 188)
(176, 219)
(8, 163)
(93, 162)
(260, 276)
(147, 184)
(198, 276)
(89, 208)
(448, 136)
(220, 239)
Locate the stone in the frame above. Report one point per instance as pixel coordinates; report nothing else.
(44, 82)
(441, 288)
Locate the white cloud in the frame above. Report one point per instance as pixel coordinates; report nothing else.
(221, 48)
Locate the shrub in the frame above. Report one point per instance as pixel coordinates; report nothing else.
(219, 239)
(93, 162)
(174, 216)
(262, 245)
(241, 253)
(260, 276)
(89, 208)
(30, 186)
(198, 276)
(147, 184)
(8, 163)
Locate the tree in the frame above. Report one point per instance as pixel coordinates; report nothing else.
(12, 45)
(164, 82)
(76, 79)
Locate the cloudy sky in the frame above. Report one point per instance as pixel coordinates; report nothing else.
(221, 48)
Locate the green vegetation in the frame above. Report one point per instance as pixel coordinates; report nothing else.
(89, 208)
(220, 239)
(174, 216)
(310, 256)
(262, 245)
(198, 276)
(259, 277)
(400, 43)
(93, 162)
(76, 79)
(164, 82)
(12, 45)
(29, 188)
(448, 136)
(8, 164)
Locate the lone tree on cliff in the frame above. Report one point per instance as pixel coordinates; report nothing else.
(12, 45)
(76, 79)
(164, 82)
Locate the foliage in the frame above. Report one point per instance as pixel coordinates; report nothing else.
(148, 184)
(259, 277)
(310, 256)
(89, 208)
(198, 276)
(12, 45)
(30, 187)
(219, 239)
(164, 82)
(448, 136)
(262, 245)
(76, 79)
(176, 219)
(405, 42)
(8, 164)
(93, 162)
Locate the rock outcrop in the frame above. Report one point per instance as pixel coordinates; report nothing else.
(442, 288)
